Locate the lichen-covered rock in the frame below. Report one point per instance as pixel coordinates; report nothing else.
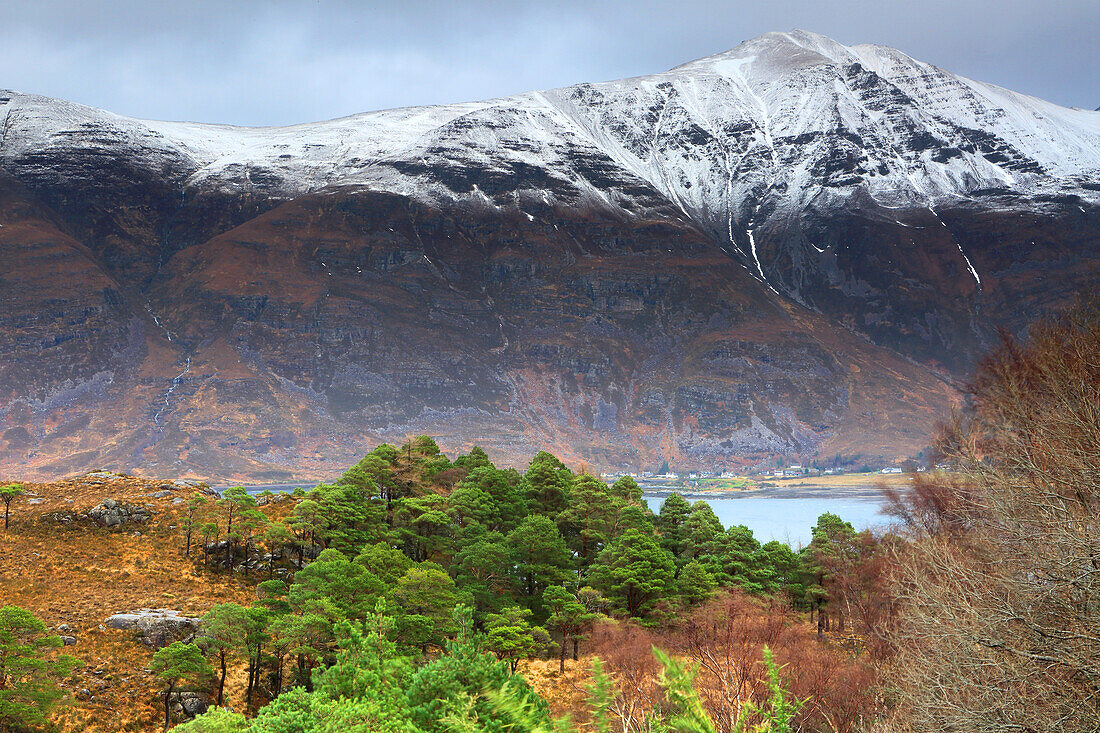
(111, 513)
(61, 517)
(263, 500)
(194, 484)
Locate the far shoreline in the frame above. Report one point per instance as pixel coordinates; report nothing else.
(764, 489)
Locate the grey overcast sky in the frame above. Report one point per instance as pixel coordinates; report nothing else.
(267, 63)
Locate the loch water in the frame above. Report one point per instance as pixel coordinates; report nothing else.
(784, 514)
(788, 514)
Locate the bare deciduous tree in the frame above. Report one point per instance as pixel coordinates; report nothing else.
(1000, 585)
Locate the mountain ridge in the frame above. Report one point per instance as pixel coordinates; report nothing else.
(690, 223)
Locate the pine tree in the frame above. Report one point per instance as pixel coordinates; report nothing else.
(584, 522)
(671, 521)
(8, 494)
(192, 521)
(511, 636)
(223, 626)
(177, 666)
(234, 500)
(28, 669)
(569, 617)
(539, 555)
(550, 484)
(634, 572)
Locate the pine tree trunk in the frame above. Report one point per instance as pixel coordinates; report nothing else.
(190, 529)
(308, 676)
(221, 681)
(167, 707)
(229, 540)
(561, 660)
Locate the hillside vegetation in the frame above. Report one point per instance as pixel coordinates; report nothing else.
(421, 594)
(545, 565)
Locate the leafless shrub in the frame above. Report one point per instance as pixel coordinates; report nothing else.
(627, 652)
(724, 639)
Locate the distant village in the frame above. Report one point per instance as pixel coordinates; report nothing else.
(792, 471)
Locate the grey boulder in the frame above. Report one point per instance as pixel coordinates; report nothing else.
(157, 627)
(111, 513)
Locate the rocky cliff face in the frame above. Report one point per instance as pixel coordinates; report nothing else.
(790, 248)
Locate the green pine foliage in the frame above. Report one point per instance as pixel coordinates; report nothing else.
(601, 697)
(549, 484)
(687, 714)
(634, 572)
(218, 720)
(695, 583)
(780, 708)
(671, 523)
(511, 636)
(570, 618)
(179, 666)
(404, 596)
(29, 670)
(540, 557)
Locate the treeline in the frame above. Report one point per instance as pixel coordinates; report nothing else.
(372, 687)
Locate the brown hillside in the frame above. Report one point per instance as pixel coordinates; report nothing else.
(79, 574)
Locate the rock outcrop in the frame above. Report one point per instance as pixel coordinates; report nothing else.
(113, 514)
(157, 627)
(190, 704)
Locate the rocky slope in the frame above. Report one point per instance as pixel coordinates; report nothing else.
(790, 248)
(77, 573)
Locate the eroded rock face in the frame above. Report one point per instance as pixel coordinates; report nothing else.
(792, 248)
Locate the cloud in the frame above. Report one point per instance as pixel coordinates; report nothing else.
(284, 62)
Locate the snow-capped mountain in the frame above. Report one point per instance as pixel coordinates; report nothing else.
(855, 185)
(778, 123)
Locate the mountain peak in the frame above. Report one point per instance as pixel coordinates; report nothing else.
(779, 54)
(778, 44)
